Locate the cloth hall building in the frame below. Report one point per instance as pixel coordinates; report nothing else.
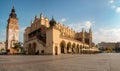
(46, 36)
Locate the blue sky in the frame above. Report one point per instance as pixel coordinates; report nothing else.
(102, 15)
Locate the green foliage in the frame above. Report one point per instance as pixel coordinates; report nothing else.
(18, 46)
(2, 49)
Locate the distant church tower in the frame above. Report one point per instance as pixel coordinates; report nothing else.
(90, 37)
(12, 30)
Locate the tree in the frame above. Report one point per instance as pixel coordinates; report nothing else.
(18, 46)
(2, 49)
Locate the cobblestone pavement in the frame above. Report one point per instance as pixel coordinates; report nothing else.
(96, 62)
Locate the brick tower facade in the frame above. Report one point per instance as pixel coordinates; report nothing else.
(12, 31)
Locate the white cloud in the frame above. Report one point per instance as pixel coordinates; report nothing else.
(78, 26)
(118, 9)
(88, 24)
(63, 20)
(114, 5)
(100, 34)
(111, 1)
(107, 35)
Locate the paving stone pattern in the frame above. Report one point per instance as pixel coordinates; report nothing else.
(67, 62)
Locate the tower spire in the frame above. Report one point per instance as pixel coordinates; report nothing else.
(90, 30)
(82, 30)
(13, 9)
(41, 16)
(13, 14)
(52, 22)
(90, 37)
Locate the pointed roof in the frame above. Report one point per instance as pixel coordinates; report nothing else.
(82, 29)
(90, 29)
(53, 18)
(13, 14)
(41, 16)
(52, 22)
(13, 9)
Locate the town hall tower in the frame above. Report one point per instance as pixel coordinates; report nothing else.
(12, 30)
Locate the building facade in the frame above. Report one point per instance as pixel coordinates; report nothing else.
(12, 31)
(46, 36)
(107, 45)
(117, 45)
